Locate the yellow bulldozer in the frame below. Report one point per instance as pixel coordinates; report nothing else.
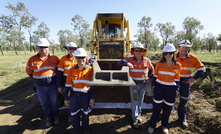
(111, 43)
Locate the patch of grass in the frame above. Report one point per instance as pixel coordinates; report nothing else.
(205, 56)
(13, 67)
(3, 73)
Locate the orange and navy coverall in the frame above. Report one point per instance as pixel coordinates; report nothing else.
(80, 96)
(166, 82)
(188, 64)
(65, 64)
(44, 77)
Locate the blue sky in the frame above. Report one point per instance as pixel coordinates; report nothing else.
(57, 14)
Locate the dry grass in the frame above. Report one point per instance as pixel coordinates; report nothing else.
(12, 66)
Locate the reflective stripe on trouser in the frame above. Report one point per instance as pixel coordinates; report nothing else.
(48, 97)
(137, 96)
(80, 103)
(164, 99)
(184, 97)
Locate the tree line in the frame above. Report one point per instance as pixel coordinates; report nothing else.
(14, 26)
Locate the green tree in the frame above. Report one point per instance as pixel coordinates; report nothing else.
(218, 44)
(191, 27)
(211, 42)
(154, 41)
(166, 30)
(81, 28)
(6, 23)
(20, 18)
(14, 37)
(42, 31)
(2, 38)
(65, 36)
(30, 22)
(144, 31)
(179, 35)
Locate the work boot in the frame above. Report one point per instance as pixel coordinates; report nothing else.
(56, 120)
(86, 131)
(139, 119)
(150, 130)
(184, 124)
(165, 130)
(135, 124)
(48, 122)
(173, 110)
(79, 132)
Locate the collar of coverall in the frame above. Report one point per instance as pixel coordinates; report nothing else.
(187, 55)
(85, 66)
(39, 55)
(68, 56)
(136, 58)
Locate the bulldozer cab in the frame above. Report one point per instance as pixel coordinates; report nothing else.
(111, 36)
(110, 43)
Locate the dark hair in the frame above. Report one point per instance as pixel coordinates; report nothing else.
(164, 59)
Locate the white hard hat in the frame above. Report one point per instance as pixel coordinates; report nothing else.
(80, 52)
(71, 44)
(169, 48)
(138, 45)
(185, 43)
(42, 42)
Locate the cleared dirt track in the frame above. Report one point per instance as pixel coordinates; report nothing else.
(21, 113)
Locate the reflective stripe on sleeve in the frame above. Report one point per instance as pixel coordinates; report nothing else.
(185, 76)
(202, 69)
(67, 68)
(80, 81)
(61, 69)
(67, 85)
(177, 79)
(186, 68)
(29, 67)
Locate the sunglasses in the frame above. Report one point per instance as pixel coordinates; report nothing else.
(80, 57)
(138, 50)
(170, 53)
(72, 48)
(43, 47)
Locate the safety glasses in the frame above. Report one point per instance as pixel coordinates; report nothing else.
(170, 53)
(138, 50)
(72, 48)
(80, 57)
(43, 47)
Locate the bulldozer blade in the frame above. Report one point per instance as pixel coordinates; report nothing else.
(110, 77)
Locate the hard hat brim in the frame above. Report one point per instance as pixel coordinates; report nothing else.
(184, 45)
(139, 48)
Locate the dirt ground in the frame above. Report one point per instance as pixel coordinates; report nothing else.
(21, 113)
